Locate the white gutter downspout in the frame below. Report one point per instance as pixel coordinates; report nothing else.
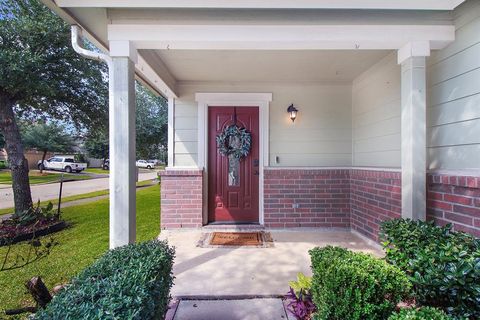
(76, 33)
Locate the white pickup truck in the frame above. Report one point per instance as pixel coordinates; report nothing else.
(62, 163)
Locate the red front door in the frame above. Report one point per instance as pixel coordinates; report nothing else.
(232, 184)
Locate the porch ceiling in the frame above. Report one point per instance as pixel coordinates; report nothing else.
(266, 65)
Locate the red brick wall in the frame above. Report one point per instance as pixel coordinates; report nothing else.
(454, 199)
(323, 197)
(356, 198)
(375, 197)
(181, 199)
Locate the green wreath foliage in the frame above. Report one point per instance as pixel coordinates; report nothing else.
(245, 138)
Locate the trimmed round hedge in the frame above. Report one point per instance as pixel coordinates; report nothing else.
(355, 286)
(130, 282)
(425, 313)
(443, 265)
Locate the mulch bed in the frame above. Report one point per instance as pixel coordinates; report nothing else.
(10, 233)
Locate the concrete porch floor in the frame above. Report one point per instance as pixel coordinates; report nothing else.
(240, 272)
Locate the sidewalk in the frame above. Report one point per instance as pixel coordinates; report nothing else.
(78, 202)
(236, 309)
(50, 191)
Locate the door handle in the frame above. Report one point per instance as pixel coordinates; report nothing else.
(256, 173)
(255, 162)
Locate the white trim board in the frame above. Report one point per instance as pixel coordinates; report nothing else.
(262, 100)
(280, 37)
(171, 132)
(268, 4)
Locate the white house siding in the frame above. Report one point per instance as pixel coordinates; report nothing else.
(453, 112)
(376, 115)
(321, 135)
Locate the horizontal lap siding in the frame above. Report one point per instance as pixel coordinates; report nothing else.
(375, 197)
(186, 134)
(453, 96)
(321, 135)
(376, 115)
(322, 196)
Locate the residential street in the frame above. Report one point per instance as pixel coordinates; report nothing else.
(50, 191)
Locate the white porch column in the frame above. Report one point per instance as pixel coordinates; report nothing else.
(122, 147)
(413, 127)
(171, 132)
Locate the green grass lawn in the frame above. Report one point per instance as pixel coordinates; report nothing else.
(36, 177)
(96, 170)
(77, 197)
(78, 247)
(64, 200)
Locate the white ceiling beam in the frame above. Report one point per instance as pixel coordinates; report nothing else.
(164, 83)
(280, 37)
(269, 4)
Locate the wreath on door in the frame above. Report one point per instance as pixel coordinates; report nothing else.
(234, 141)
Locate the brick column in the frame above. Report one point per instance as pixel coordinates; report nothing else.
(181, 198)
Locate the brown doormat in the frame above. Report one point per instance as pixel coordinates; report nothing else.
(236, 239)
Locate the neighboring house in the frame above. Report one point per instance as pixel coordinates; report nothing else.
(387, 92)
(32, 156)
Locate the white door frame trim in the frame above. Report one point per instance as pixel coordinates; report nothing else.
(260, 100)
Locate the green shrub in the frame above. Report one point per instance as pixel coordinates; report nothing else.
(130, 282)
(444, 266)
(3, 164)
(425, 313)
(348, 285)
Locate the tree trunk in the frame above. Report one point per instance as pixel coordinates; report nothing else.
(39, 291)
(18, 164)
(43, 161)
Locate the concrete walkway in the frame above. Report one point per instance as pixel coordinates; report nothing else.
(50, 191)
(210, 272)
(244, 309)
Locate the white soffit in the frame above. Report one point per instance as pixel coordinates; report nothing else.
(269, 4)
(268, 66)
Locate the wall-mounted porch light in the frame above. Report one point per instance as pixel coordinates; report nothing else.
(293, 112)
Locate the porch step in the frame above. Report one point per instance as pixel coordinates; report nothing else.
(223, 308)
(232, 227)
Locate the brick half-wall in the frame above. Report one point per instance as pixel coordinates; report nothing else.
(375, 197)
(307, 198)
(454, 199)
(181, 199)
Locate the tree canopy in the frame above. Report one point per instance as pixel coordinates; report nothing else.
(46, 137)
(151, 129)
(41, 73)
(41, 76)
(151, 124)
(96, 143)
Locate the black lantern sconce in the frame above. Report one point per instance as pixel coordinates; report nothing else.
(293, 112)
